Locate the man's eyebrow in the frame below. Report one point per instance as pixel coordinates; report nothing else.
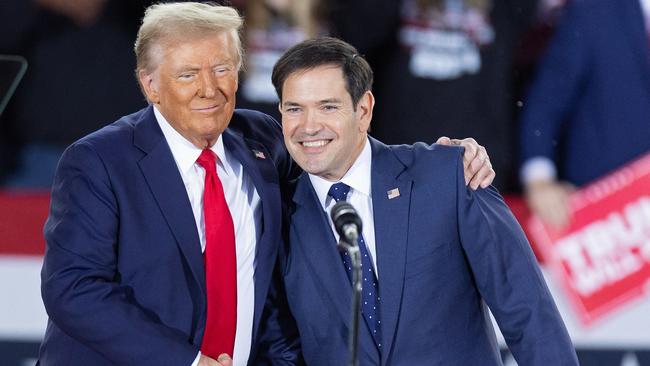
(290, 104)
(185, 68)
(226, 61)
(330, 100)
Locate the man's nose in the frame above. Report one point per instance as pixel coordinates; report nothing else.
(311, 122)
(207, 85)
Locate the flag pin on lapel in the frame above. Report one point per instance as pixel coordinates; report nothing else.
(259, 154)
(393, 193)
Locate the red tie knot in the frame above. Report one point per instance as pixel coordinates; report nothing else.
(207, 161)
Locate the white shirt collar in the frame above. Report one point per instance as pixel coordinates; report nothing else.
(357, 177)
(185, 153)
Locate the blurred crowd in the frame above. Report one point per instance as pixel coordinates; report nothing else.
(558, 91)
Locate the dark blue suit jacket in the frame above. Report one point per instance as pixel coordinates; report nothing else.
(123, 280)
(443, 253)
(589, 107)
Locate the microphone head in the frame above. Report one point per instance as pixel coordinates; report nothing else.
(344, 214)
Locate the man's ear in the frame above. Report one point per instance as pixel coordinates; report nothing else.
(364, 110)
(148, 86)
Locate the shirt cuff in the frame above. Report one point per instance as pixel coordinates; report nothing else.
(196, 360)
(538, 168)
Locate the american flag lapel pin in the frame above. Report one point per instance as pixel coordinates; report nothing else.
(259, 154)
(393, 193)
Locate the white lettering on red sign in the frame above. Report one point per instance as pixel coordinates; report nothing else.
(608, 250)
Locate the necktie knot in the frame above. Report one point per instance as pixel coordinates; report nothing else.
(207, 160)
(339, 191)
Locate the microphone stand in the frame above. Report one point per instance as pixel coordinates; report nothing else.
(353, 337)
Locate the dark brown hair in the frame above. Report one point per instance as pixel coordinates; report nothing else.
(325, 51)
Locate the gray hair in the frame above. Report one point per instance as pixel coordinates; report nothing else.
(184, 20)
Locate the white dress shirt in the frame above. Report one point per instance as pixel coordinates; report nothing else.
(360, 197)
(245, 208)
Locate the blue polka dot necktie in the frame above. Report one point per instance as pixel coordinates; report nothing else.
(370, 294)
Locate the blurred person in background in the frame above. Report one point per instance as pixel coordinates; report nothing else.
(443, 67)
(77, 53)
(272, 26)
(531, 46)
(588, 109)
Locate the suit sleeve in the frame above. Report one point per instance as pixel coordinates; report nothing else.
(279, 339)
(557, 86)
(81, 286)
(509, 279)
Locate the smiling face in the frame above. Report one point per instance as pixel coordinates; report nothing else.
(194, 85)
(322, 130)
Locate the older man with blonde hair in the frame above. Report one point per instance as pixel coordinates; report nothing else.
(165, 225)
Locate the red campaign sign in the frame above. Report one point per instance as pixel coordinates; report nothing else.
(603, 256)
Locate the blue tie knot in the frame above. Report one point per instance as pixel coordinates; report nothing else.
(339, 191)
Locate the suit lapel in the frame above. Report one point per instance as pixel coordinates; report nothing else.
(391, 216)
(164, 180)
(161, 174)
(632, 22)
(314, 238)
(262, 173)
(318, 244)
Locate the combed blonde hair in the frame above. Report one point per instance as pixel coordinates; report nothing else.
(168, 21)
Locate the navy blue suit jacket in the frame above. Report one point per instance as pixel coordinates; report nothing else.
(123, 280)
(443, 253)
(589, 107)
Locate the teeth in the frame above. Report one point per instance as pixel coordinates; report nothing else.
(317, 143)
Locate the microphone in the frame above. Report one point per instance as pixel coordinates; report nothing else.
(346, 222)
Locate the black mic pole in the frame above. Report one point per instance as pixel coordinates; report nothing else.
(348, 225)
(353, 337)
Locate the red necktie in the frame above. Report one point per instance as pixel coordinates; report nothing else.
(220, 264)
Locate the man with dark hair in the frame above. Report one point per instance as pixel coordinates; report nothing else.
(435, 255)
